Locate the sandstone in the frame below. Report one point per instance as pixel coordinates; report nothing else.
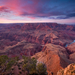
(71, 48)
(72, 57)
(69, 70)
(54, 56)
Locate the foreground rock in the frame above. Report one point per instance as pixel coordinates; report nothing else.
(54, 56)
(69, 70)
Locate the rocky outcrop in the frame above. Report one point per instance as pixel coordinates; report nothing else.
(54, 56)
(21, 48)
(69, 70)
(15, 27)
(43, 27)
(72, 57)
(28, 26)
(71, 48)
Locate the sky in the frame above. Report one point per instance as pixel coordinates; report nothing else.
(34, 11)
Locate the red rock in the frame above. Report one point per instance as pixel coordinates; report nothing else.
(15, 27)
(71, 48)
(72, 57)
(54, 56)
(69, 70)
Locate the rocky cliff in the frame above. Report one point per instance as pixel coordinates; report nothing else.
(71, 50)
(69, 70)
(54, 56)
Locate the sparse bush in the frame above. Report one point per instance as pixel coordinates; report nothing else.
(33, 68)
(29, 65)
(9, 64)
(41, 69)
(3, 59)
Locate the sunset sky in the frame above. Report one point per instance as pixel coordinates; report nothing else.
(28, 11)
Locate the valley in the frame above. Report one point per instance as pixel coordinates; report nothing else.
(49, 43)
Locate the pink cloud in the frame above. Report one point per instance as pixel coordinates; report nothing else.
(4, 9)
(34, 8)
(30, 17)
(23, 8)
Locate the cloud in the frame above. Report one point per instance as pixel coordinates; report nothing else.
(4, 9)
(64, 16)
(71, 15)
(62, 9)
(47, 8)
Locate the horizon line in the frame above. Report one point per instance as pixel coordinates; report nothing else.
(38, 22)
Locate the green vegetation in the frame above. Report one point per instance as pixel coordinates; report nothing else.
(32, 67)
(10, 64)
(3, 59)
(28, 66)
(41, 69)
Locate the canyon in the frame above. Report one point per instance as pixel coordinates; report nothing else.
(49, 43)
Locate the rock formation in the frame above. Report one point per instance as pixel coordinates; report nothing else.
(54, 56)
(69, 70)
(29, 38)
(71, 50)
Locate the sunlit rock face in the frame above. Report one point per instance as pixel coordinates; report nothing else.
(69, 70)
(54, 56)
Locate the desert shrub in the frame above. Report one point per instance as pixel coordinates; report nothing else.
(3, 59)
(9, 64)
(29, 65)
(16, 58)
(41, 69)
